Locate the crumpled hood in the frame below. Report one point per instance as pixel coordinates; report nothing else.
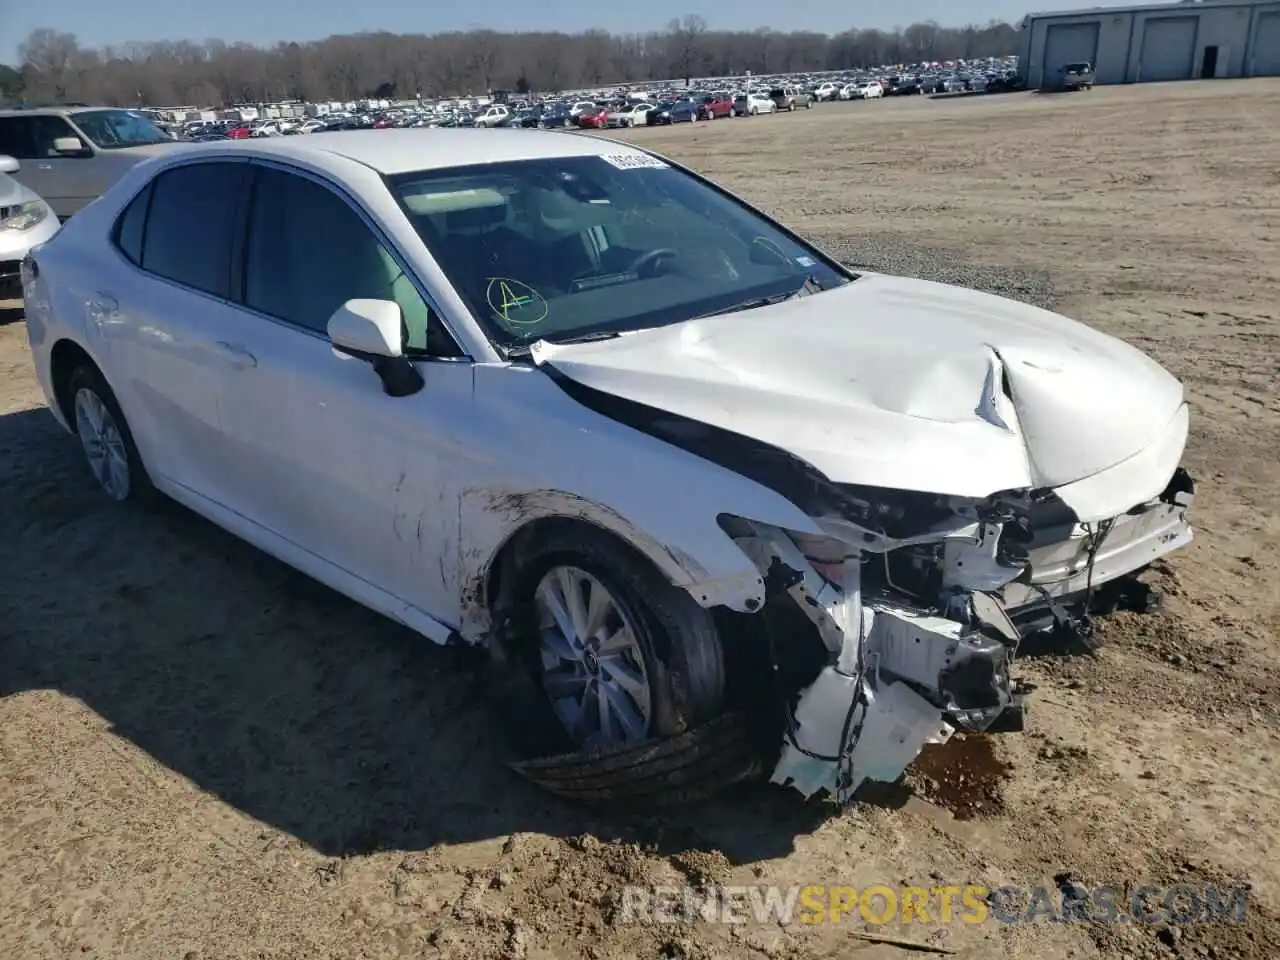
(899, 383)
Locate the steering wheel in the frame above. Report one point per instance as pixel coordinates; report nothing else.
(648, 257)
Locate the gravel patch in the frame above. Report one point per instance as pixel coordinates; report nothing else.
(890, 255)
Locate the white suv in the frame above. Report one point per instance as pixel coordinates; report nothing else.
(493, 116)
(71, 155)
(750, 104)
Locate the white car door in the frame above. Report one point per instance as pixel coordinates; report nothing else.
(163, 317)
(326, 460)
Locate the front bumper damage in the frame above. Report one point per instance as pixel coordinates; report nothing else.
(920, 632)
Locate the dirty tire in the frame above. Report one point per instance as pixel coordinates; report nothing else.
(693, 766)
(88, 377)
(678, 638)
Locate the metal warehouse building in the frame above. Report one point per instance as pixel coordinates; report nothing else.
(1177, 41)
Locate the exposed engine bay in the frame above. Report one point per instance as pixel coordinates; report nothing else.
(922, 603)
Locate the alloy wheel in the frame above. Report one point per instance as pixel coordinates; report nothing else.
(593, 667)
(103, 444)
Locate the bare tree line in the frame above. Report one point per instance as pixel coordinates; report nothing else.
(56, 67)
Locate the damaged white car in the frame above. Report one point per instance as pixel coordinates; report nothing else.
(695, 482)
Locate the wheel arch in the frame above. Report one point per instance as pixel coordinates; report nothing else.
(64, 359)
(538, 515)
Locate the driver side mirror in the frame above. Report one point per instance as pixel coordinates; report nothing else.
(70, 147)
(9, 164)
(372, 330)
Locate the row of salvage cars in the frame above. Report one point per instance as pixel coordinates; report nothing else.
(717, 505)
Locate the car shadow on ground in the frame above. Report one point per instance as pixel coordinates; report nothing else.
(284, 699)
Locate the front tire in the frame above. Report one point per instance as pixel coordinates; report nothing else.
(621, 654)
(105, 438)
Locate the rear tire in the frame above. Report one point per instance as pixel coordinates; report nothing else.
(105, 438)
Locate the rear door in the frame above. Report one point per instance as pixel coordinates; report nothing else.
(164, 318)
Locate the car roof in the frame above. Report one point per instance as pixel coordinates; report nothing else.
(56, 110)
(412, 149)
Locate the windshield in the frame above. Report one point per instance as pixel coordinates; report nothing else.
(114, 129)
(559, 249)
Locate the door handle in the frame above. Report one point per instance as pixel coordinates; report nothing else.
(239, 354)
(44, 166)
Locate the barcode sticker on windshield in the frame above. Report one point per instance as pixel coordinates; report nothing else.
(633, 161)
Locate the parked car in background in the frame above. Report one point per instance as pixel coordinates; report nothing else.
(790, 98)
(1076, 76)
(557, 116)
(493, 116)
(25, 221)
(70, 155)
(632, 115)
(828, 91)
(716, 105)
(673, 111)
(752, 104)
(597, 118)
(904, 86)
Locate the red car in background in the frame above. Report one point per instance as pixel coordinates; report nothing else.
(715, 105)
(239, 133)
(597, 118)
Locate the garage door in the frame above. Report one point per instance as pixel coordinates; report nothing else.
(1266, 47)
(1168, 49)
(1069, 43)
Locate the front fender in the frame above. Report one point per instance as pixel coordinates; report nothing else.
(561, 459)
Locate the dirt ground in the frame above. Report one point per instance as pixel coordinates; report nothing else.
(204, 755)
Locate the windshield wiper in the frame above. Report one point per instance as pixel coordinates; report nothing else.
(514, 350)
(589, 337)
(810, 286)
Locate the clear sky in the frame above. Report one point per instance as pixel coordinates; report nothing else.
(98, 22)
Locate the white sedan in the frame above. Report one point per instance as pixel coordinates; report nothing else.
(630, 116)
(560, 397)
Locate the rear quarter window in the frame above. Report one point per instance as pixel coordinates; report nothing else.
(130, 227)
(191, 224)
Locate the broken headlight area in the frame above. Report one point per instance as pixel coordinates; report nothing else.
(919, 605)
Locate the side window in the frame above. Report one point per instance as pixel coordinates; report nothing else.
(129, 227)
(45, 130)
(309, 252)
(191, 225)
(15, 138)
